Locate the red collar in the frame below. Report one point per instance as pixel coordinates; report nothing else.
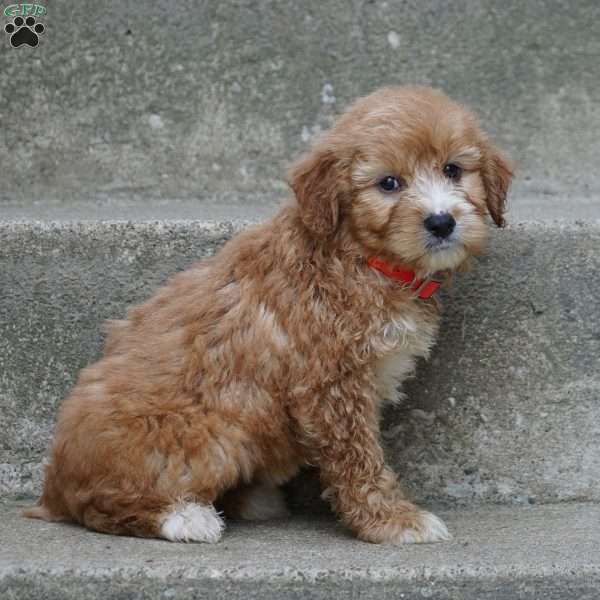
(425, 287)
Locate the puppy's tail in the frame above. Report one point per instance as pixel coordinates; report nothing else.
(50, 506)
(38, 512)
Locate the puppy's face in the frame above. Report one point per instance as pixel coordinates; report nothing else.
(411, 174)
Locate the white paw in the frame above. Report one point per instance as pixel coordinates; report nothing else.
(263, 502)
(417, 527)
(191, 522)
(431, 529)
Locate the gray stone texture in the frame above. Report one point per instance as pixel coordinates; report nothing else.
(210, 100)
(146, 111)
(507, 409)
(547, 552)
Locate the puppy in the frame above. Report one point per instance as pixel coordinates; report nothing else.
(280, 350)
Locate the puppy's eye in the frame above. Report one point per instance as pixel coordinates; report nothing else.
(452, 171)
(390, 184)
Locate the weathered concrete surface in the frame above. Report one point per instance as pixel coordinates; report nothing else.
(507, 410)
(550, 552)
(254, 208)
(211, 100)
(58, 284)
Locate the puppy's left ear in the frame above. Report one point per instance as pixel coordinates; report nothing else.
(497, 173)
(318, 181)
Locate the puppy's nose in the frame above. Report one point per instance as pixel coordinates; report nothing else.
(441, 225)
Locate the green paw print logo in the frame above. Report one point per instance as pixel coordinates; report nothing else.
(24, 29)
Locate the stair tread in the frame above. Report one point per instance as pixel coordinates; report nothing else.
(493, 548)
(252, 207)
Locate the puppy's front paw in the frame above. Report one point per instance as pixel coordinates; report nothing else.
(419, 527)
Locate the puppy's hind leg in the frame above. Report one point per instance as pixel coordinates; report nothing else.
(192, 522)
(260, 501)
(180, 521)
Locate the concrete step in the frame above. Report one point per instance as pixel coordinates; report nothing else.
(251, 207)
(245, 87)
(506, 411)
(500, 553)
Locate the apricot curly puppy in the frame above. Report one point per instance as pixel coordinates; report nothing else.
(280, 350)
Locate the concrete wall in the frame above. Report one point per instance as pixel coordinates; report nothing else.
(144, 110)
(211, 99)
(507, 410)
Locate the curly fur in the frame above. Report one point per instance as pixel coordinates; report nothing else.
(279, 351)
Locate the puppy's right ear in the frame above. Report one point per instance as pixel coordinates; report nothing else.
(318, 182)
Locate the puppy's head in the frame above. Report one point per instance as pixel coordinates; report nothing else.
(409, 174)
